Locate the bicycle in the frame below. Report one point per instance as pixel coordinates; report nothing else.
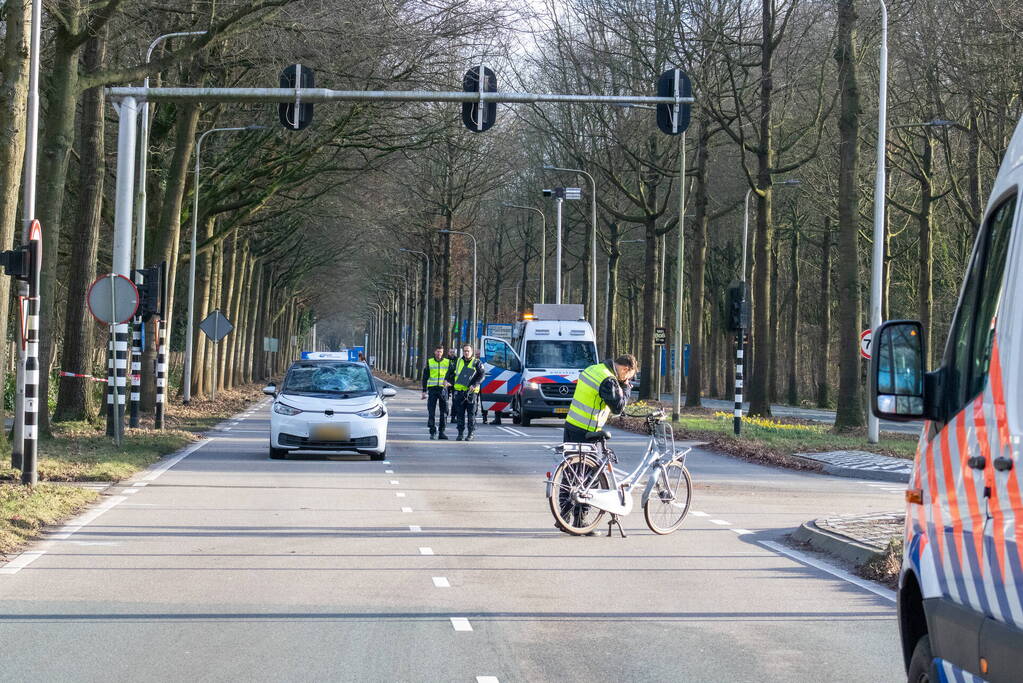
(586, 484)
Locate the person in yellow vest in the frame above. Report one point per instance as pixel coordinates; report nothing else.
(464, 376)
(602, 390)
(435, 393)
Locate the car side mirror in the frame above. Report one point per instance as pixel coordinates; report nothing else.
(897, 371)
(516, 365)
(270, 390)
(388, 392)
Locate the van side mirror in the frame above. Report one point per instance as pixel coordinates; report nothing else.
(897, 371)
(270, 389)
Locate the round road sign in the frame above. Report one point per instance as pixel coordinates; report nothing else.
(113, 299)
(865, 337)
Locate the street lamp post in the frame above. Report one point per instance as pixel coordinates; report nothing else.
(543, 247)
(593, 237)
(474, 337)
(877, 265)
(426, 301)
(560, 194)
(186, 377)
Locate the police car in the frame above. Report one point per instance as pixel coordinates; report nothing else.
(328, 403)
(960, 599)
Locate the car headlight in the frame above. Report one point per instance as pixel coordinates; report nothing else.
(375, 411)
(535, 386)
(285, 409)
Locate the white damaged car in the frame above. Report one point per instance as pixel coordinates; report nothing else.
(328, 405)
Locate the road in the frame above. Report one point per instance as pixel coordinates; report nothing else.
(814, 414)
(441, 564)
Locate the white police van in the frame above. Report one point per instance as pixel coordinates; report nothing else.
(960, 599)
(534, 374)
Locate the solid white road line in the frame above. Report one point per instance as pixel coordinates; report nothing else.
(441, 582)
(415, 528)
(721, 522)
(510, 431)
(90, 515)
(166, 465)
(21, 561)
(140, 484)
(741, 532)
(461, 624)
(487, 679)
(830, 569)
(426, 551)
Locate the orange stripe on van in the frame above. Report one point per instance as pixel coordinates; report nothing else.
(935, 506)
(953, 499)
(1004, 441)
(976, 521)
(994, 505)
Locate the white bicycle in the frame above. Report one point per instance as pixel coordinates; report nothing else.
(586, 484)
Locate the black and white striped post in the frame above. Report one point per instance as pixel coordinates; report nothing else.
(29, 474)
(117, 369)
(161, 371)
(740, 337)
(136, 368)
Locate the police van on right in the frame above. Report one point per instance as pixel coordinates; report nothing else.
(960, 597)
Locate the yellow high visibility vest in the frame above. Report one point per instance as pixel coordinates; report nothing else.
(438, 370)
(463, 373)
(588, 411)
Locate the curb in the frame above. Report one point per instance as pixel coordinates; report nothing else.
(855, 473)
(835, 544)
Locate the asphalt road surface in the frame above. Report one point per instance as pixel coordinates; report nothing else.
(440, 564)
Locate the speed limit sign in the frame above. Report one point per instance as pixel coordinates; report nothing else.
(865, 337)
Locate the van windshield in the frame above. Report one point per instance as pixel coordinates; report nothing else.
(570, 355)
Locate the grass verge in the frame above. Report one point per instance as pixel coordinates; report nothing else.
(81, 451)
(773, 441)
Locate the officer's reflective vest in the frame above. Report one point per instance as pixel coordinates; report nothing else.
(438, 370)
(588, 411)
(464, 370)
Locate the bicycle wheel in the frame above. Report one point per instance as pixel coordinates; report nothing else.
(669, 500)
(576, 473)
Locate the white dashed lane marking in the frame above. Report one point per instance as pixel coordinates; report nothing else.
(394, 482)
(406, 509)
(400, 494)
(461, 624)
(441, 582)
(487, 679)
(742, 532)
(721, 522)
(695, 513)
(426, 551)
(415, 528)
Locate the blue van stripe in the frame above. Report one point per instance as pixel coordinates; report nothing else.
(978, 580)
(938, 558)
(956, 561)
(996, 577)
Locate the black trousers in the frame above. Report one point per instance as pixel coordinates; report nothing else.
(574, 434)
(436, 397)
(465, 410)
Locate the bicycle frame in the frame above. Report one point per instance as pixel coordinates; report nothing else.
(618, 498)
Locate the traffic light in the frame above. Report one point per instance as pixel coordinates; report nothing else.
(671, 82)
(738, 307)
(151, 291)
(471, 115)
(17, 262)
(296, 115)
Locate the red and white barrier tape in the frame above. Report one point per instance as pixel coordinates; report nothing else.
(75, 374)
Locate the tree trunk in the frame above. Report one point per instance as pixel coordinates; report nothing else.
(764, 233)
(13, 95)
(74, 397)
(824, 325)
(697, 267)
(611, 314)
(793, 306)
(231, 270)
(648, 388)
(850, 391)
(775, 325)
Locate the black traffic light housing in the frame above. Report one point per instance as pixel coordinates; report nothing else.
(471, 110)
(666, 88)
(296, 115)
(18, 262)
(151, 294)
(738, 307)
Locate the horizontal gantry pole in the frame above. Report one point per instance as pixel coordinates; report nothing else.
(288, 95)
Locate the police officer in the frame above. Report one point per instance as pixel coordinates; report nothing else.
(435, 373)
(602, 389)
(453, 358)
(464, 376)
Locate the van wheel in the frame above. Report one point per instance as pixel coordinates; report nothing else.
(278, 453)
(920, 664)
(525, 418)
(516, 414)
(378, 456)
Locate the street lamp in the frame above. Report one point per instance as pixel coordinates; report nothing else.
(445, 231)
(186, 377)
(560, 194)
(877, 265)
(543, 247)
(593, 236)
(426, 299)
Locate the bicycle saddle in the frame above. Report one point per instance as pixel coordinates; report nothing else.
(601, 435)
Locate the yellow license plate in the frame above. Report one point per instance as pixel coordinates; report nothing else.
(561, 411)
(330, 432)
